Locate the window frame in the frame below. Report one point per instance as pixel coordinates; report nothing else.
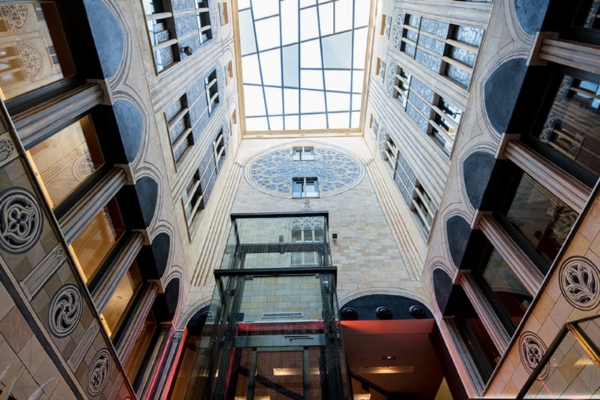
(303, 153)
(304, 182)
(204, 22)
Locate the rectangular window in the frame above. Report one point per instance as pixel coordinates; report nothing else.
(229, 71)
(203, 14)
(116, 309)
(382, 70)
(219, 150)
(97, 239)
(304, 153)
(446, 118)
(424, 207)
(162, 37)
(224, 14)
(305, 187)
(34, 52)
(211, 88)
(137, 355)
(66, 159)
(192, 198)
(234, 117)
(375, 126)
(180, 127)
(306, 235)
(401, 86)
(444, 48)
(386, 24)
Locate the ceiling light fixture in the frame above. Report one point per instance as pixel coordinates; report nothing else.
(387, 370)
(388, 358)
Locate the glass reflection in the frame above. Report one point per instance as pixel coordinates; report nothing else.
(571, 127)
(67, 159)
(541, 218)
(116, 308)
(33, 51)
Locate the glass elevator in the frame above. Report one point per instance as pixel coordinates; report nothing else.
(272, 330)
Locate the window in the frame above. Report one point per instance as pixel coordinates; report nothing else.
(34, 51)
(381, 68)
(211, 88)
(570, 127)
(203, 14)
(180, 127)
(137, 355)
(304, 153)
(444, 48)
(97, 239)
(305, 187)
(424, 207)
(375, 126)
(192, 199)
(66, 159)
(386, 24)
(433, 114)
(219, 150)
(234, 117)
(114, 313)
(229, 71)
(224, 14)
(162, 37)
(306, 235)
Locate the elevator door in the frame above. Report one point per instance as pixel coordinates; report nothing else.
(277, 373)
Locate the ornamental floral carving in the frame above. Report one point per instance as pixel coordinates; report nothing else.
(579, 279)
(98, 372)
(397, 32)
(6, 149)
(14, 16)
(30, 59)
(532, 350)
(65, 310)
(20, 220)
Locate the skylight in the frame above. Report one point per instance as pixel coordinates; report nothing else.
(303, 63)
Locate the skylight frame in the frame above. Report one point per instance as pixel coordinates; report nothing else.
(296, 118)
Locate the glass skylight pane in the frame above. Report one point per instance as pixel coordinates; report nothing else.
(339, 120)
(357, 81)
(257, 124)
(290, 66)
(271, 67)
(292, 122)
(316, 121)
(335, 51)
(243, 4)
(337, 80)
(267, 33)
(309, 28)
(290, 97)
(355, 120)
(338, 102)
(311, 79)
(274, 98)
(289, 20)
(276, 123)
(247, 42)
(360, 47)
(310, 54)
(250, 70)
(356, 100)
(326, 19)
(361, 13)
(306, 3)
(311, 101)
(255, 104)
(265, 8)
(343, 15)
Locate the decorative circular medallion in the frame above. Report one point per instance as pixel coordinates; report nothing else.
(532, 349)
(98, 372)
(272, 173)
(20, 220)
(6, 149)
(397, 32)
(417, 312)
(349, 313)
(579, 279)
(383, 312)
(31, 60)
(65, 310)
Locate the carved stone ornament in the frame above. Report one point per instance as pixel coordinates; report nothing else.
(579, 279)
(30, 59)
(65, 310)
(532, 349)
(98, 372)
(6, 149)
(21, 220)
(397, 31)
(14, 16)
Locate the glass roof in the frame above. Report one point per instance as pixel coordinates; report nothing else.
(303, 62)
